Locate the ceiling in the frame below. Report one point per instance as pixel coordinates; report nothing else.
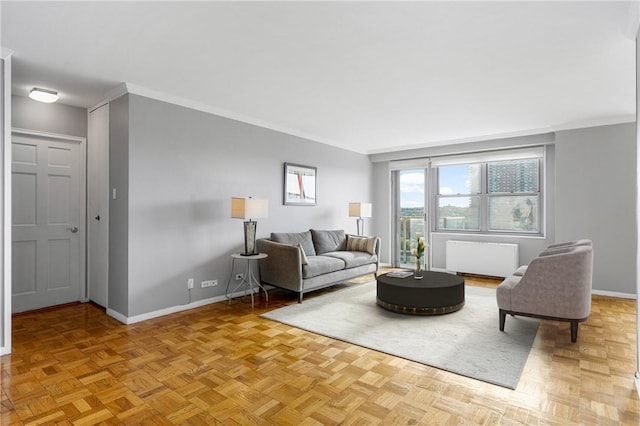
(365, 76)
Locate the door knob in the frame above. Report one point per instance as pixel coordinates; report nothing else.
(73, 230)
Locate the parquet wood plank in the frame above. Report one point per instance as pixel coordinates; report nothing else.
(223, 364)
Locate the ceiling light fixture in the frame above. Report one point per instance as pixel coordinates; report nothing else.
(43, 95)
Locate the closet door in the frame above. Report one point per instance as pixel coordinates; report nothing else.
(98, 208)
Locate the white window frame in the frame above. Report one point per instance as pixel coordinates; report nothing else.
(483, 159)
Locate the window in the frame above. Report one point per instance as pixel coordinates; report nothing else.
(459, 189)
(513, 189)
(501, 195)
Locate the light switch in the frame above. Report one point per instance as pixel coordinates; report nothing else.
(113, 193)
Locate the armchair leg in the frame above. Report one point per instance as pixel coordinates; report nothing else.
(574, 331)
(503, 317)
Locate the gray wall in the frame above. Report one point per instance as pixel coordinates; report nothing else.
(382, 210)
(53, 118)
(118, 287)
(590, 194)
(183, 168)
(595, 198)
(175, 170)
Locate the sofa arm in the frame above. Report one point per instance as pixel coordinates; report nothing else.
(282, 267)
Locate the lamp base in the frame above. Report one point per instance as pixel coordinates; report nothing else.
(250, 238)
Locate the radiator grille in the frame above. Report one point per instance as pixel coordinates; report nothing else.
(481, 258)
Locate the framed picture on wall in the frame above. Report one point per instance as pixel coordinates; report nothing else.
(299, 185)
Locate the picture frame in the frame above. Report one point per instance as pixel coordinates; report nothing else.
(299, 185)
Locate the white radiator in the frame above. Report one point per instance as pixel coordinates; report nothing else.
(491, 259)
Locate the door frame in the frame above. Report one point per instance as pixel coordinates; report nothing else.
(5, 120)
(82, 238)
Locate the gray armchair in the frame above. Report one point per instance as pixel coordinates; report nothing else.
(556, 285)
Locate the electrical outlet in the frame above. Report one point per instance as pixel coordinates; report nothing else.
(190, 283)
(210, 283)
(239, 277)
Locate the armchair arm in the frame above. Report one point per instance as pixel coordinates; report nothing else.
(282, 267)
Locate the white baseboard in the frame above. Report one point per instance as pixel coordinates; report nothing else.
(638, 383)
(170, 310)
(614, 294)
(117, 315)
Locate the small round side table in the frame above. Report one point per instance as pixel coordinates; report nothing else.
(249, 279)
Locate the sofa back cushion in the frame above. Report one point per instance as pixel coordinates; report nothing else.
(292, 238)
(326, 241)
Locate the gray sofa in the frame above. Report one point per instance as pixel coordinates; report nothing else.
(307, 261)
(556, 285)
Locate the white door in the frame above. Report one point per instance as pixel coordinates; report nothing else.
(47, 220)
(98, 193)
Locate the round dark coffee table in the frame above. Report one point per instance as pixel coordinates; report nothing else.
(435, 294)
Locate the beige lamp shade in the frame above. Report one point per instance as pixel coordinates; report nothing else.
(359, 209)
(249, 208)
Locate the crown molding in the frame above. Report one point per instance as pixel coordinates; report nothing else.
(134, 89)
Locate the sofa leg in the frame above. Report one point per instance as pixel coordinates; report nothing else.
(503, 317)
(300, 297)
(574, 331)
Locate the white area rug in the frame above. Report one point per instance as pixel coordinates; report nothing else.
(466, 342)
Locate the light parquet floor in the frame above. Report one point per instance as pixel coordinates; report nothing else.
(223, 364)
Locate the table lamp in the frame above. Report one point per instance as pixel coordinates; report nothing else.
(249, 208)
(360, 210)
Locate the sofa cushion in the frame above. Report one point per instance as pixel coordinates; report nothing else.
(353, 259)
(304, 238)
(326, 241)
(318, 265)
(366, 244)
